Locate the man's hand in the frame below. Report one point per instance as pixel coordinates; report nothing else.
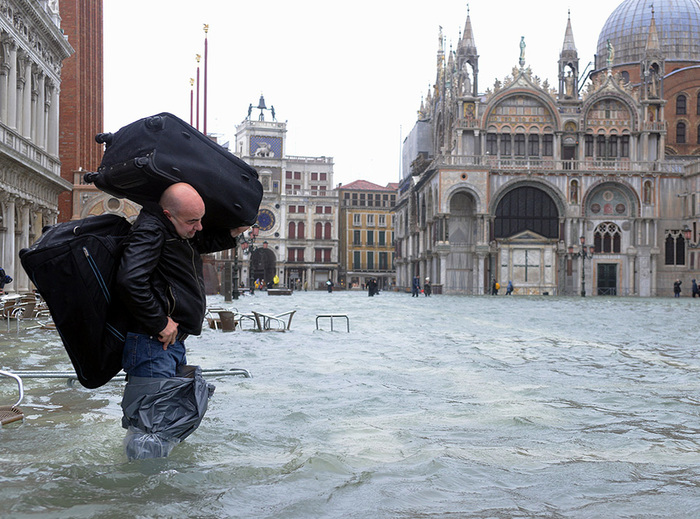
(239, 230)
(168, 335)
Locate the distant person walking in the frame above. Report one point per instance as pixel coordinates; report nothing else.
(696, 290)
(4, 280)
(427, 288)
(509, 288)
(494, 288)
(372, 287)
(415, 288)
(329, 284)
(677, 288)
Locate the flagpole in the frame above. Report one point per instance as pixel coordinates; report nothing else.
(199, 56)
(191, 100)
(206, 50)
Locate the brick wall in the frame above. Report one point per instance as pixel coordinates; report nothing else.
(81, 100)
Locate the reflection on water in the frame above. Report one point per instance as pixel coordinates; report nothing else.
(430, 407)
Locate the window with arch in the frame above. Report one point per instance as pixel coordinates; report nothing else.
(675, 247)
(680, 133)
(607, 238)
(698, 104)
(319, 231)
(548, 145)
(681, 104)
(505, 145)
(526, 208)
(327, 231)
(533, 145)
(491, 144)
(601, 146)
(291, 230)
(519, 145)
(698, 133)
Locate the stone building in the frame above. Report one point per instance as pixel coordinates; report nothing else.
(588, 186)
(32, 52)
(367, 234)
(298, 218)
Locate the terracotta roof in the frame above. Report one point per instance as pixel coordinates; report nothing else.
(365, 185)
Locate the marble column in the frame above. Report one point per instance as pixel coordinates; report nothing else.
(26, 127)
(9, 240)
(4, 78)
(53, 133)
(11, 120)
(40, 137)
(21, 278)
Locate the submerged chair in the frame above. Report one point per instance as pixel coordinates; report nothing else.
(12, 413)
(16, 310)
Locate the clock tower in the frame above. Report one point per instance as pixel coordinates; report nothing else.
(298, 238)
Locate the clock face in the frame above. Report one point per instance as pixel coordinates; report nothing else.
(266, 219)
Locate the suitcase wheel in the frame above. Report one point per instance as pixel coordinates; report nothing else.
(104, 138)
(155, 123)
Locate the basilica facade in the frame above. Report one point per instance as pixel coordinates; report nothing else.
(588, 186)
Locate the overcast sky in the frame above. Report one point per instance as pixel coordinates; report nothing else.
(346, 76)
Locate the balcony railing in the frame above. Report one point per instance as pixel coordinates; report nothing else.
(12, 143)
(588, 165)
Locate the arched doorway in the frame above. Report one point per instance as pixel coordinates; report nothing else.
(461, 227)
(263, 266)
(526, 229)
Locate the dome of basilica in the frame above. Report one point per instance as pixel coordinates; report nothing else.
(627, 28)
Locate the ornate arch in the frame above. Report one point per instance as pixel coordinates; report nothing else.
(618, 97)
(590, 197)
(470, 190)
(550, 118)
(556, 195)
(526, 206)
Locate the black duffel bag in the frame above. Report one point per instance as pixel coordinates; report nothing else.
(73, 266)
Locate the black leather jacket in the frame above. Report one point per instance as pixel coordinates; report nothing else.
(160, 274)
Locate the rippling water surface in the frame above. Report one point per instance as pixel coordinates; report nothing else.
(488, 407)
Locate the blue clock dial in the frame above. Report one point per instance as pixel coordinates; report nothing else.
(266, 219)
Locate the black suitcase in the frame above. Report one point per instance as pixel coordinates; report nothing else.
(146, 156)
(73, 265)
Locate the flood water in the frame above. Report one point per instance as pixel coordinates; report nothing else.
(488, 407)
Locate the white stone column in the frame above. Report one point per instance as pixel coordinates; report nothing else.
(21, 278)
(9, 245)
(40, 138)
(52, 135)
(11, 120)
(4, 77)
(26, 127)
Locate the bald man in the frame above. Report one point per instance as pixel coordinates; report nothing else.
(160, 280)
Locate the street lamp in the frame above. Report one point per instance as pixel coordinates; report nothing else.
(247, 243)
(586, 252)
(687, 234)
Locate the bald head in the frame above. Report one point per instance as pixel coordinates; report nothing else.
(184, 208)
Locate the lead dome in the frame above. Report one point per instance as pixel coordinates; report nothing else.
(627, 28)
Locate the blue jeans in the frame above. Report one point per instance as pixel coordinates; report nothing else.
(144, 356)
